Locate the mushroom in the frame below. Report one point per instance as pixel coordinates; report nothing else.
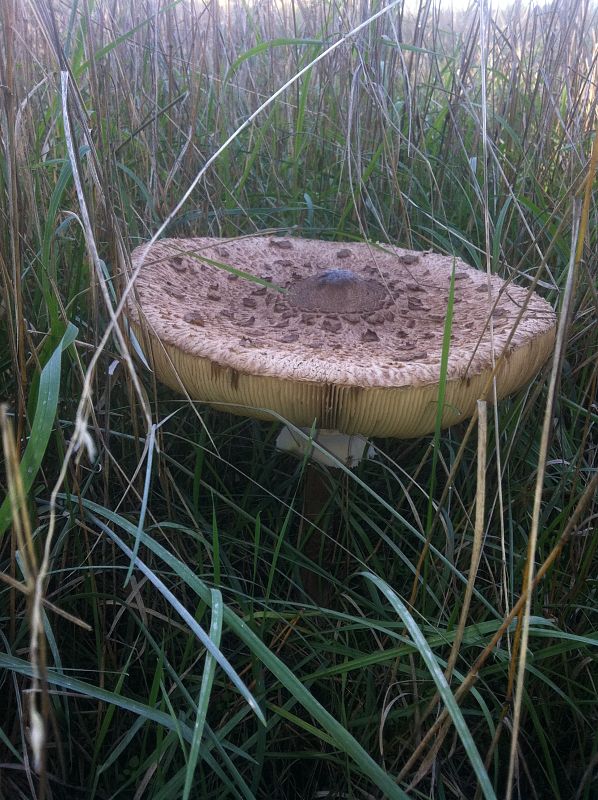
(333, 337)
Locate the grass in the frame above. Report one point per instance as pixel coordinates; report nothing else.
(156, 640)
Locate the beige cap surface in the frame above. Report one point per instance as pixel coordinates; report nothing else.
(346, 335)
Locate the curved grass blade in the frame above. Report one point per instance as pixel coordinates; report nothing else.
(442, 686)
(55, 678)
(103, 51)
(264, 47)
(205, 691)
(344, 740)
(151, 443)
(142, 710)
(191, 622)
(43, 422)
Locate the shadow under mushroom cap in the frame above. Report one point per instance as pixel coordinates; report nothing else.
(348, 335)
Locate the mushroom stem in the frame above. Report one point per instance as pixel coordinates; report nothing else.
(335, 449)
(316, 544)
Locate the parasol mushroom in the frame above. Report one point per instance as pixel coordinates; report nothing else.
(344, 338)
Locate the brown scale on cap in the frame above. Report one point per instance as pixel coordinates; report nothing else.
(370, 336)
(374, 332)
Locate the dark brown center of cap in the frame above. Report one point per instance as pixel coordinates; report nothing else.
(337, 291)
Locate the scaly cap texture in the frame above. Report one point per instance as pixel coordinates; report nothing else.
(348, 336)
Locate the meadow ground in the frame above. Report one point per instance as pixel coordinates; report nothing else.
(146, 537)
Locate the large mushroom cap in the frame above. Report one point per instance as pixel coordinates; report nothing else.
(348, 336)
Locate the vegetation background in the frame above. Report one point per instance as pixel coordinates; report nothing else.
(156, 641)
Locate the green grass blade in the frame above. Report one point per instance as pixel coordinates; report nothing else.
(43, 422)
(205, 691)
(182, 611)
(444, 690)
(264, 47)
(345, 741)
(55, 678)
(151, 443)
(446, 344)
(103, 51)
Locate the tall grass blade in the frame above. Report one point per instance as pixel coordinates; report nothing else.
(43, 421)
(338, 732)
(444, 690)
(205, 692)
